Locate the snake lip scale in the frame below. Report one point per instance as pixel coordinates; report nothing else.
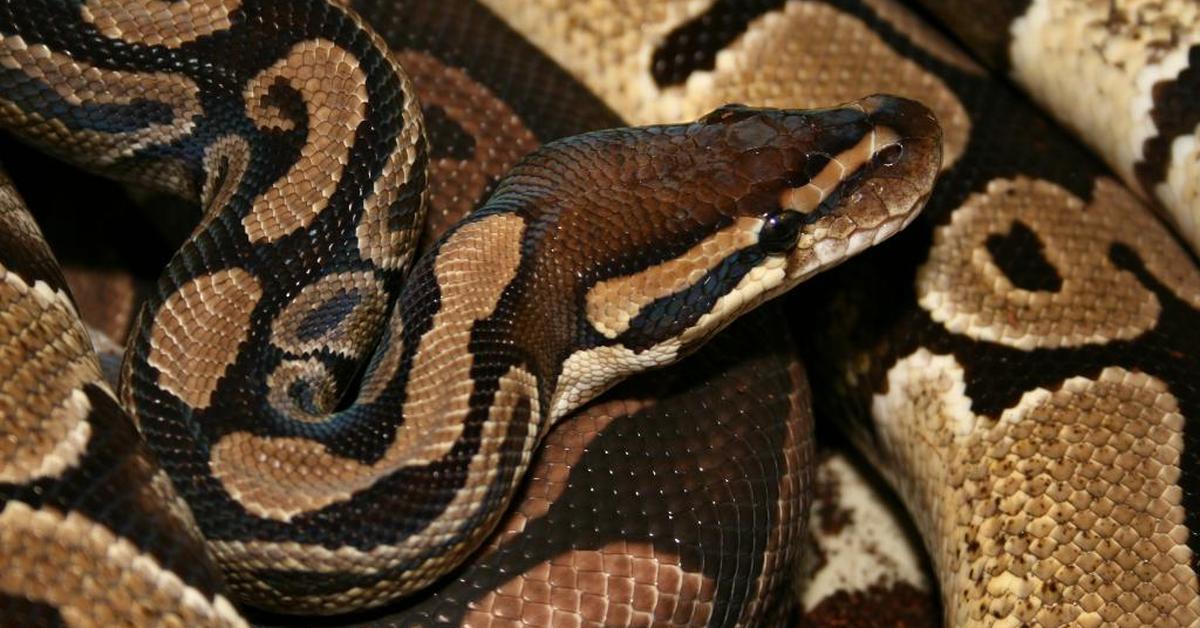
(597, 256)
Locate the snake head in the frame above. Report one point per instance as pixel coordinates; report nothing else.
(666, 234)
(816, 187)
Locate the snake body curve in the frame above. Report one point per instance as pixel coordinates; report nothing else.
(298, 161)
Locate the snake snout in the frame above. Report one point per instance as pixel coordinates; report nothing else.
(872, 187)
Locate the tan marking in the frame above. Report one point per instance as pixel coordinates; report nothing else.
(781, 61)
(809, 196)
(1060, 511)
(225, 163)
(198, 330)
(79, 83)
(46, 360)
(335, 95)
(159, 22)
(501, 138)
(95, 578)
(965, 290)
(1180, 192)
(281, 477)
(621, 584)
(1114, 53)
(611, 304)
(166, 499)
(359, 326)
(388, 245)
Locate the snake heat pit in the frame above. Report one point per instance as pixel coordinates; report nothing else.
(379, 382)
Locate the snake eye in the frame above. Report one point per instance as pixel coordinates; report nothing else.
(780, 232)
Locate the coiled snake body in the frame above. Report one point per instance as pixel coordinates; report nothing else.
(1021, 364)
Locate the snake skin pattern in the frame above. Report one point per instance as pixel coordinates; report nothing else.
(1126, 79)
(1021, 364)
(308, 158)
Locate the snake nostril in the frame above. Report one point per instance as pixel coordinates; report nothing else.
(890, 155)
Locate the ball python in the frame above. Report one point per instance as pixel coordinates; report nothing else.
(1021, 362)
(299, 134)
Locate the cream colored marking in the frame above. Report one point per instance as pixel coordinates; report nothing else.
(279, 488)
(389, 247)
(1108, 58)
(873, 548)
(198, 330)
(964, 289)
(809, 196)
(1181, 189)
(45, 360)
(1059, 512)
(93, 577)
(159, 22)
(589, 372)
(576, 579)
(225, 161)
(781, 60)
(79, 83)
(611, 304)
(335, 96)
(347, 338)
(761, 283)
(280, 477)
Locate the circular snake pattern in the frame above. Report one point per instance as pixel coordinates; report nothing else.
(1019, 364)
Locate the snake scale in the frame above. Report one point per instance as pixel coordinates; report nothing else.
(1019, 363)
